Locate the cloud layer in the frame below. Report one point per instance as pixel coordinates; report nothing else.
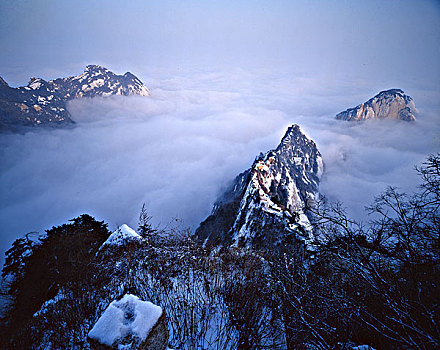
(176, 150)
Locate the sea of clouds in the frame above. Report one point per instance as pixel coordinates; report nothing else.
(177, 149)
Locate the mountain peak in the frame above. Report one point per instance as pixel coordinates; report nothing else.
(264, 205)
(44, 103)
(392, 103)
(36, 83)
(129, 75)
(391, 91)
(3, 82)
(99, 81)
(95, 68)
(291, 133)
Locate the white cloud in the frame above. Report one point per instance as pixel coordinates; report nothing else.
(177, 149)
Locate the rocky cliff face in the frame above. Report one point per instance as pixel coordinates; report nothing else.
(387, 104)
(37, 104)
(99, 81)
(43, 103)
(264, 206)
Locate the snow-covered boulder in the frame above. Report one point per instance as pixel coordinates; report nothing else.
(121, 236)
(130, 323)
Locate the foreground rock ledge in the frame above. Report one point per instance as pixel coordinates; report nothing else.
(130, 323)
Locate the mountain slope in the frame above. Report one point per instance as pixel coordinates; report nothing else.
(36, 104)
(386, 104)
(263, 207)
(43, 103)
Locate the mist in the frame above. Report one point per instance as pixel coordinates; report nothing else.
(177, 150)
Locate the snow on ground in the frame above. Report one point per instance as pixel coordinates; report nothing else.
(122, 235)
(36, 84)
(130, 319)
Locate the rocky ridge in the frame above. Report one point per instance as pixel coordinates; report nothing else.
(264, 206)
(99, 81)
(386, 104)
(44, 103)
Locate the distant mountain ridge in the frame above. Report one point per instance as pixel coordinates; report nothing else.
(392, 103)
(264, 206)
(99, 81)
(43, 103)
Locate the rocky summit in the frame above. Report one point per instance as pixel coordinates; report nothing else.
(386, 104)
(99, 81)
(44, 103)
(264, 206)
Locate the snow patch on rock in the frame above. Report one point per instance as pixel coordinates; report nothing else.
(122, 235)
(126, 322)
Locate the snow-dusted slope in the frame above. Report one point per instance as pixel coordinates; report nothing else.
(386, 104)
(122, 235)
(43, 103)
(264, 205)
(36, 104)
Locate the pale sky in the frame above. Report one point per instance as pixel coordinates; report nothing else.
(362, 39)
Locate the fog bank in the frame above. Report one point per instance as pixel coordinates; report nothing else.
(176, 150)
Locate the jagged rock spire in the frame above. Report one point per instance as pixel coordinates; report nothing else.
(265, 203)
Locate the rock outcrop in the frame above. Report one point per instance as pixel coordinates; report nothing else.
(386, 104)
(264, 206)
(44, 103)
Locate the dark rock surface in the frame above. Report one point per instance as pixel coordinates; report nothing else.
(44, 103)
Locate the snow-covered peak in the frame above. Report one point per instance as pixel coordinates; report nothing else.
(126, 323)
(265, 204)
(43, 103)
(99, 81)
(122, 235)
(95, 68)
(36, 83)
(282, 183)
